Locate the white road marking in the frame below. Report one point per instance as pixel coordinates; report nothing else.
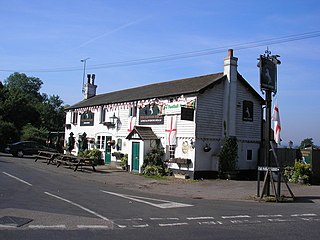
(155, 219)
(304, 215)
(279, 220)
(93, 227)
(269, 216)
(210, 223)
(199, 218)
(19, 179)
(7, 226)
(140, 226)
(163, 203)
(134, 219)
(245, 221)
(238, 216)
(172, 224)
(82, 207)
(47, 226)
(310, 219)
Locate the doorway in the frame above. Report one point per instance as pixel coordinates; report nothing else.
(135, 156)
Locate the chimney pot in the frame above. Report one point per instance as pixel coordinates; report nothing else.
(93, 78)
(230, 52)
(88, 76)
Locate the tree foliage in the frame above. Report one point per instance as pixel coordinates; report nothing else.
(27, 113)
(307, 142)
(228, 155)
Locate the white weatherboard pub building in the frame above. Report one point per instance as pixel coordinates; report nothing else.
(189, 118)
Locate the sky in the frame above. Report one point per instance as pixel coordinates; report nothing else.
(132, 43)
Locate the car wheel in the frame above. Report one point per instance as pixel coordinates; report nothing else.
(20, 153)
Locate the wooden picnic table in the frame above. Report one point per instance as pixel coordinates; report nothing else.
(75, 161)
(46, 155)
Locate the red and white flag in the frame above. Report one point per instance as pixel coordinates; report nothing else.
(171, 131)
(131, 123)
(277, 125)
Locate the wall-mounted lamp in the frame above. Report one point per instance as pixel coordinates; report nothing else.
(114, 119)
(207, 148)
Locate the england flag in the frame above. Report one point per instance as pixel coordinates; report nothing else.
(277, 125)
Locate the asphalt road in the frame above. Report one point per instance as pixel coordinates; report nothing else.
(36, 203)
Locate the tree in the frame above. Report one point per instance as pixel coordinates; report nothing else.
(31, 133)
(307, 142)
(52, 113)
(8, 133)
(22, 105)
(228, 155)
(20, 81)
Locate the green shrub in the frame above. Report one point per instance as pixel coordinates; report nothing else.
(228, 155)
(94, 153)
(153, 164)
(300, 171)
(153, 170)
(124, 162)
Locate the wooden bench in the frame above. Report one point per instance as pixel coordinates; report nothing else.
(48, 156)
(75, 162)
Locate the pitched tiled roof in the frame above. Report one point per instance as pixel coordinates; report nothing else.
(156, 90)
(145, 133)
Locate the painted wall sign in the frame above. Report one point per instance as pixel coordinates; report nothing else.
(151, 115)
(175, 107)
(247, 111)
(87, 119)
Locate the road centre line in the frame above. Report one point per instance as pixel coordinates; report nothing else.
(80, 206)
(19, 179)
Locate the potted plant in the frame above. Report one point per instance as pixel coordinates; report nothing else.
(228, 157)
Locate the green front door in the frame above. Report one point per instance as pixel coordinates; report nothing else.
(135, 156)
(107, 153)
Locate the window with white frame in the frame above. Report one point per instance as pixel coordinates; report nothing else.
(74, 117)
(102, 115)
(100, 143)
(133, 111)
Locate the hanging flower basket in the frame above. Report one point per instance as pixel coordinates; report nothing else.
(111, 143)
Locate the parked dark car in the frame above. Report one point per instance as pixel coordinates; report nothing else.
(19, 149)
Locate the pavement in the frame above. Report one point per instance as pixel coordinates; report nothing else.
(217, 189)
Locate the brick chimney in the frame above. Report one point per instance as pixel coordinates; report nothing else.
(90, 89)
(230, 93)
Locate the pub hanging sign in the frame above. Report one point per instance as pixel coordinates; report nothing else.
(268, 71)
